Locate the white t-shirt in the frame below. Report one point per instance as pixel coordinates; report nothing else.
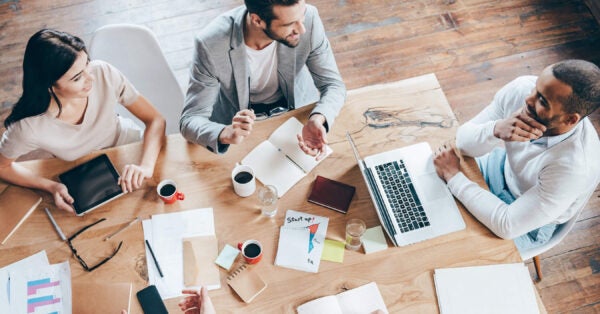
(100, 128)
(264, 85)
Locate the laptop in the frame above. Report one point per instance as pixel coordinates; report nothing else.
(412, 202)
(92, 184)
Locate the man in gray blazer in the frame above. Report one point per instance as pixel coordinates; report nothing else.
(256, 61)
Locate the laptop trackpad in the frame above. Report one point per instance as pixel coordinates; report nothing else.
(430, 187)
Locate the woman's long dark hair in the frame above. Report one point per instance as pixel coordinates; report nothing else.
(48, 56)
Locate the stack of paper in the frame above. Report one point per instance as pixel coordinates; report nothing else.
(32, 285)
(301, 241)
(503, 288)
(165, 233)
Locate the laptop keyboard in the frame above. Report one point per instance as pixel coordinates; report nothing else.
(402, 196)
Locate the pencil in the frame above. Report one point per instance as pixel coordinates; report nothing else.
(122, 228)
(154, 258)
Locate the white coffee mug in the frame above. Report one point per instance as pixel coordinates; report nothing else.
(243, 180)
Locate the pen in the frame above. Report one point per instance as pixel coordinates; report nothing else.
(154, 258)
(292, 161)
(56, 227)
(122, 228)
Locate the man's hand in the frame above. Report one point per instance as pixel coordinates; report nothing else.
(197, 302)
(240, 127)
(313, 139)
(520, 127)
(62, 198)
(133, 176)
(446, 162)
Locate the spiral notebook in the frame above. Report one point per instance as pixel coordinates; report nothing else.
(246, 282)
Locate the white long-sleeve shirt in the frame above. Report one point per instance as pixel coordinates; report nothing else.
(551, 178)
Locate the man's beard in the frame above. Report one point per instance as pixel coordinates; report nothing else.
(276, 38)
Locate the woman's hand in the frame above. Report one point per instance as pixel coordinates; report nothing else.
(133, 176)
(62, 198)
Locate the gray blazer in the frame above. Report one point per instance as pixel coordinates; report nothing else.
(219, 78)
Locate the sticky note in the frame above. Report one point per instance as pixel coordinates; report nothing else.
(374, 240)
(227, 256)
(333, 251)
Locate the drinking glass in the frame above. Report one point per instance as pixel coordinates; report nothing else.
(267, 198)
(355, 228)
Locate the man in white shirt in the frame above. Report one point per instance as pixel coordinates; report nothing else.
(261, 59)
(549, 167)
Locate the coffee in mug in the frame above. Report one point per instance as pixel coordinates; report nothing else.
(251, 251)
(167, 191)
(243, 180)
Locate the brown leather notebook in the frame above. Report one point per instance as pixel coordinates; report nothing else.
(16, 204)
(331, 194)
(246, 282)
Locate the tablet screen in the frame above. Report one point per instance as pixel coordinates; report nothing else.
(92, 184)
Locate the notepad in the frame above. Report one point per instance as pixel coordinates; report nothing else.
(373, 240)
(363, 299)
(246, 282)
(199, 269)
(16, 204)
(227, 256)
(333, 251)
(279, 161)
(492, 289)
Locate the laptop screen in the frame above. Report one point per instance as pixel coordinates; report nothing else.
(92, 183)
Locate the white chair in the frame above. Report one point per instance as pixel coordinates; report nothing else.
(134, 50)
(558, 235)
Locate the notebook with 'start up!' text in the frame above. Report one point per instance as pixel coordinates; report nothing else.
(331, 194)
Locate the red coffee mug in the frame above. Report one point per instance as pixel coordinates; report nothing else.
(167, 191)
(251, 251)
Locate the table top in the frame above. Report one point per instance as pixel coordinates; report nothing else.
(380, 118)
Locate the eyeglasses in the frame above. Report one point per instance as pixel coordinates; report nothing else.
(271, 113)
(81, 261)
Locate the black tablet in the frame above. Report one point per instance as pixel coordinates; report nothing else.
(92, 184)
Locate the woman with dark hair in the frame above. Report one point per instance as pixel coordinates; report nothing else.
(67, 110)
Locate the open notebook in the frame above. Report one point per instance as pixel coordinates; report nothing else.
(279, 161)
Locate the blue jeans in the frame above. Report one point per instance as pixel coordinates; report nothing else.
(492, 168)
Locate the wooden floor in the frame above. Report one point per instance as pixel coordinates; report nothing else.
(473, 46)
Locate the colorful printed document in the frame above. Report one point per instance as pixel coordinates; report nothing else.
(301, 241)
(41, 290)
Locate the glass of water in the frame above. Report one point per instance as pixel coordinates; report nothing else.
(355, 228)
(267, 199)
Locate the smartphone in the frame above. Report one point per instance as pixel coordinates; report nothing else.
(151, 301)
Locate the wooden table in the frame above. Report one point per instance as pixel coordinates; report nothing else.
(378, 117)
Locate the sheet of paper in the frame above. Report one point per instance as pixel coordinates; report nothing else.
(333, 251)
(292, 250)
(328, 304)
(42, 290)
(168, 231)
(35, 261)
(374, 240)
(501, 288)
(153, 275)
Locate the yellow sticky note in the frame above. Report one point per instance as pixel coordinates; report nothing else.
(333, 251)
